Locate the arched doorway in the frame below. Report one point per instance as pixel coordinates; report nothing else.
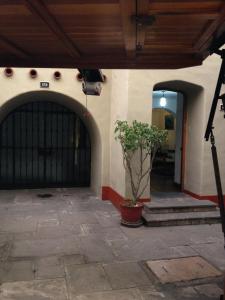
(44, 144)
(191, 144)
(167, 114)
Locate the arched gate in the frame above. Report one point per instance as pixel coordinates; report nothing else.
(44, 144)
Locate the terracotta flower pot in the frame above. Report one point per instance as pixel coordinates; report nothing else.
(131, 216)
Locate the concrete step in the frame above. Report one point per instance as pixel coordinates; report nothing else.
(179, 209)
(171, 205)
(179, 219)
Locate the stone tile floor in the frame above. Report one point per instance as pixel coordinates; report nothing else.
(72, 247)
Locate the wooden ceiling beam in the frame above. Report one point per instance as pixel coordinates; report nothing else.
(128, 9)
(142, 9)
(39, 9)
(168, 8)
(207, 35)
(13, 48)
(155, 60)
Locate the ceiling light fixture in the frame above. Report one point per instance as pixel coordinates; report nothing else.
(163, 100)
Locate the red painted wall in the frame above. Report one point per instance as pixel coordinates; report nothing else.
(110, 194)
(212, 198)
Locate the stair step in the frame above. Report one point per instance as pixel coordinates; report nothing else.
(179, 209)
(172, 205)
(179, 219)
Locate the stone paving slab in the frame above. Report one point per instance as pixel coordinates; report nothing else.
(188, 292)
(57, 232)
(45, 247)
(126, 275)
(189, 235)
(182, 269)
(213, 252)
(150, 293)
(18, 224)
(184, 251)
(34, 290)
(96, 251)
(16, 271)
(73, 259)
(131, 294)
(6, 247)
(107, 234)
(144, 249)
(77, 218)
(86, 278)
(49, 267)
(209, 290)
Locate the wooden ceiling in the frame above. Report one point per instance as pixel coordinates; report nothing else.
(109, 33)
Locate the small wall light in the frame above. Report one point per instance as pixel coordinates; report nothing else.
(163, 101)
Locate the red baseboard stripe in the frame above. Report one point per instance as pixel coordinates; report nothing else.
(110, 194)
(212, 198)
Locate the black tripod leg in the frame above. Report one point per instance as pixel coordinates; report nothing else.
(220, 81)
(219, 191)
(218, 183)
(209, 133)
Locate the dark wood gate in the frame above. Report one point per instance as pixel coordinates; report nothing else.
(44, 144)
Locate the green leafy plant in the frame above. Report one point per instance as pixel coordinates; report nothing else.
(139, 142)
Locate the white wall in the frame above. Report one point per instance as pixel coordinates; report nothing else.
(139, 108)
(193, 176)
(179, 136)
(119, 107)
(198, 85)
(127, 94)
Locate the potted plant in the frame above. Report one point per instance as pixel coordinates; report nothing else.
(139, 142)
